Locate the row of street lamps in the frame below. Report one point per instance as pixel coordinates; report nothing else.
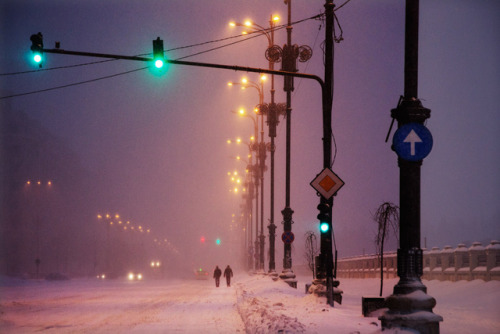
(37, 186)
(288, 55)
(118, 223)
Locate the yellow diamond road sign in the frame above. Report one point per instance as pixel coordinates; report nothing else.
(327, 183)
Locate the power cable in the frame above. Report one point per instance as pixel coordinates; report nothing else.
(73, 84)
(254, 33)
(342, 5)
(57, 68)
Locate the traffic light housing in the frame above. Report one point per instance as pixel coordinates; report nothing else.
(158, 53)
(37, 48)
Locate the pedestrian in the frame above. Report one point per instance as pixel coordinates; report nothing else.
(228, 273)
(217, 274)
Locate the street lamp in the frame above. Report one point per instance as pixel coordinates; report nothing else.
(258, 172)
(252, 172)
(245, 83)
(36, 187)
(261, 155)
(289, 54)
(247, 207)
(275, 54)
(107, 219)
(256, 28)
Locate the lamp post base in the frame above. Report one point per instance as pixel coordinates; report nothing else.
(410, 306)
(273, 274)
(319, 287)
(288, 276)
(411, 311)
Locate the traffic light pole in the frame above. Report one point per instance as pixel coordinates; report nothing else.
(326, 254)
(189, 63)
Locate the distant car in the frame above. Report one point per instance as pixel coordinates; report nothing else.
(134, 276)
(201, 274)
(108, 275)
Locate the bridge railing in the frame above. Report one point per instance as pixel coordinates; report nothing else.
(452, 264)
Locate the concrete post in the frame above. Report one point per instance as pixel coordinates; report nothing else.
(493, 259)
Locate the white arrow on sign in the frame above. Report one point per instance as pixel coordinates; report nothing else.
(412, 138)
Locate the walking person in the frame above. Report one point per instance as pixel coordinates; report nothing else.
(217, 274)
(228, 273)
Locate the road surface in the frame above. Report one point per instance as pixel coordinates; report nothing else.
(119, 306)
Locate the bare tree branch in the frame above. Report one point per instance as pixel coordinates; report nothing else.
(387, 214)
(311, 249)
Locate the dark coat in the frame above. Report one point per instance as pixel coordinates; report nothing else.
(228, 272)
(217, 272)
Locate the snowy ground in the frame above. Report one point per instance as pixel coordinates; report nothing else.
(253, 304)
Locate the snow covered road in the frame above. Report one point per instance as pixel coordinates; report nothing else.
(253, 304)
(91, 306)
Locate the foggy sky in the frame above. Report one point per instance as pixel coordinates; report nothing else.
(159, 142)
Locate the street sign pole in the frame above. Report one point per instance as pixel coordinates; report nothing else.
(326, 183)
(409, 305)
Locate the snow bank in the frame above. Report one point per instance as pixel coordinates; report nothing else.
(264, 314)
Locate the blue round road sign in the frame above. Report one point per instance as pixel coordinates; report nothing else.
(412, 142)
(288, 237)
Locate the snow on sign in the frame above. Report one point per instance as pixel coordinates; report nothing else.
(327, 183)
(412, 142)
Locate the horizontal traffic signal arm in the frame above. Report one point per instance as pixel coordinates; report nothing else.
(189, 63)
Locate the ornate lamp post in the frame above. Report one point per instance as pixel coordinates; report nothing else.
(272, 111)
(289, 55)
(274, 54)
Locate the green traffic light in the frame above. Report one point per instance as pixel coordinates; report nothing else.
(37, 58)
(159, 63)
(217, 241)
(158, 53)
(37, 48)
(324, 227)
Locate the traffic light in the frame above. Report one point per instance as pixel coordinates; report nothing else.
(217, 241)
(158, 53)
(324, 218)
(37, 48)
(202, 239)
(324, 227)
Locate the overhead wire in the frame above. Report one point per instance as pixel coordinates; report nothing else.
(74, 84)
(138, 55)
(255, 34)
(342, 5)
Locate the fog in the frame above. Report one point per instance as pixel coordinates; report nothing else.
(152, 148)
